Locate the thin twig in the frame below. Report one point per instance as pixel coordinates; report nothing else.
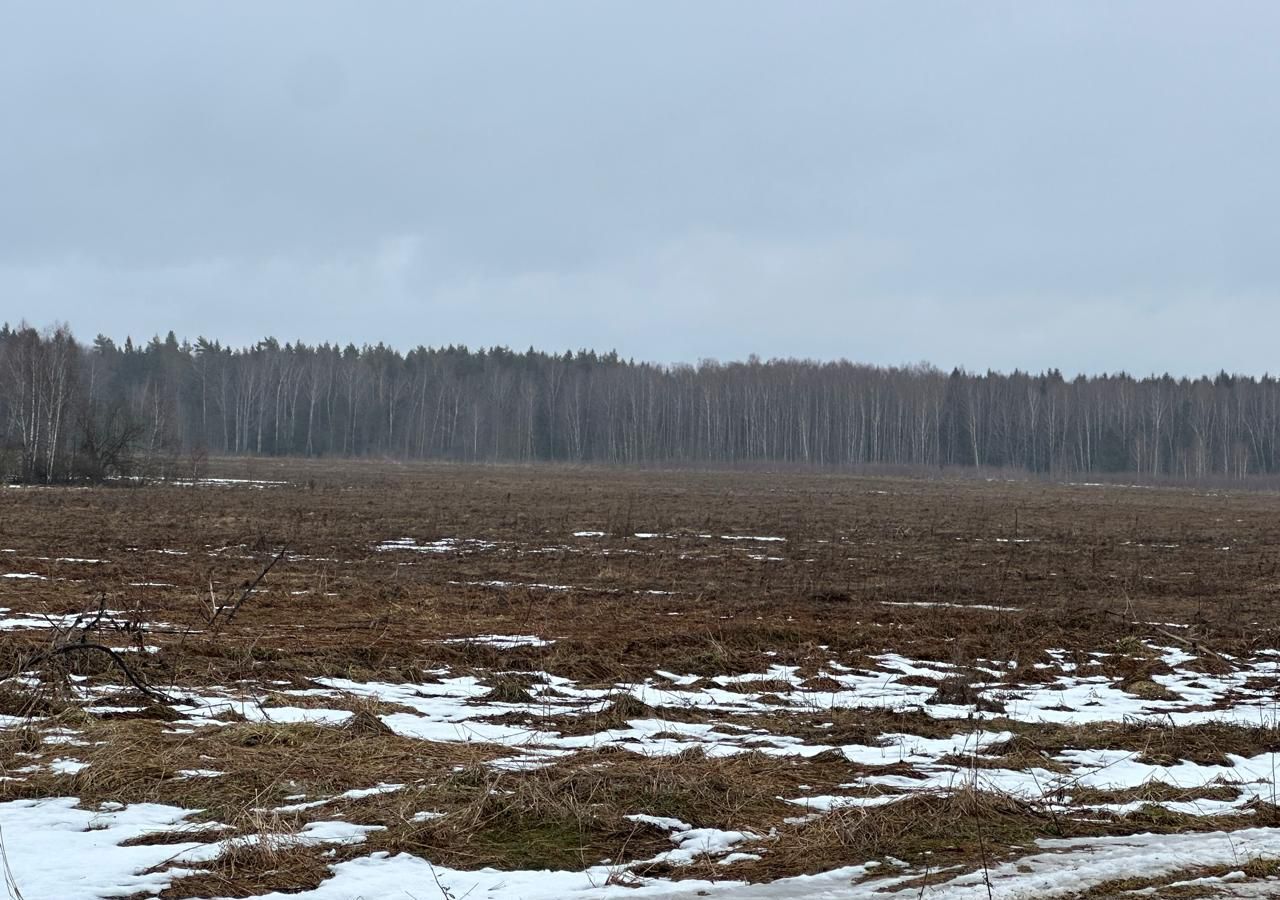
(10, 882)
(248, 590)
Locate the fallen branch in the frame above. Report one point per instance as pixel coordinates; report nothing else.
(1198, 646)
(116, 658)
(1190, 644)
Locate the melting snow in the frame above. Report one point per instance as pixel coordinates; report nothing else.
(1059, 868)
(444, 545)
(503, 641)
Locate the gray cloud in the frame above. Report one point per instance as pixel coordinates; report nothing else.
(1088, 186)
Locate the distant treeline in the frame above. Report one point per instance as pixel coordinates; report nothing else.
(86, 411)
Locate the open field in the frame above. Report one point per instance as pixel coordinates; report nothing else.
(541, 683)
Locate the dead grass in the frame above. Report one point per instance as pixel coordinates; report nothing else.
(1154, 742)
(1258, 869)
(1155, 792)
(939, 829)
(1097, 563)
(245, 868)
(138, 761)
(573, 812)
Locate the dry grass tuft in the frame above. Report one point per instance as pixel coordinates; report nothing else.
(962, 828)
(508, 690)
(367, 724)
(960, 691)
(247, 867)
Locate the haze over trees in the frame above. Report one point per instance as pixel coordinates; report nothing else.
(70, 410)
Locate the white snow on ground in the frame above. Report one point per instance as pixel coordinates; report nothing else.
(356, 794)
(949, 605)
(67, 766)
(456, 708)
(198, 482)
(444, 545)
(60, 620)
(92, 865)
(540, 586)
(650, 535)
(38, 620)
(503, 641)
(517, 584)
(228, 482)
(208, 708)
(90, 862)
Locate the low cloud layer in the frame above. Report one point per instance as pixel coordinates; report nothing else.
(1088, 187)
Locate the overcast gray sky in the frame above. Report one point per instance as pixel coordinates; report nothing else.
(1087, 185)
